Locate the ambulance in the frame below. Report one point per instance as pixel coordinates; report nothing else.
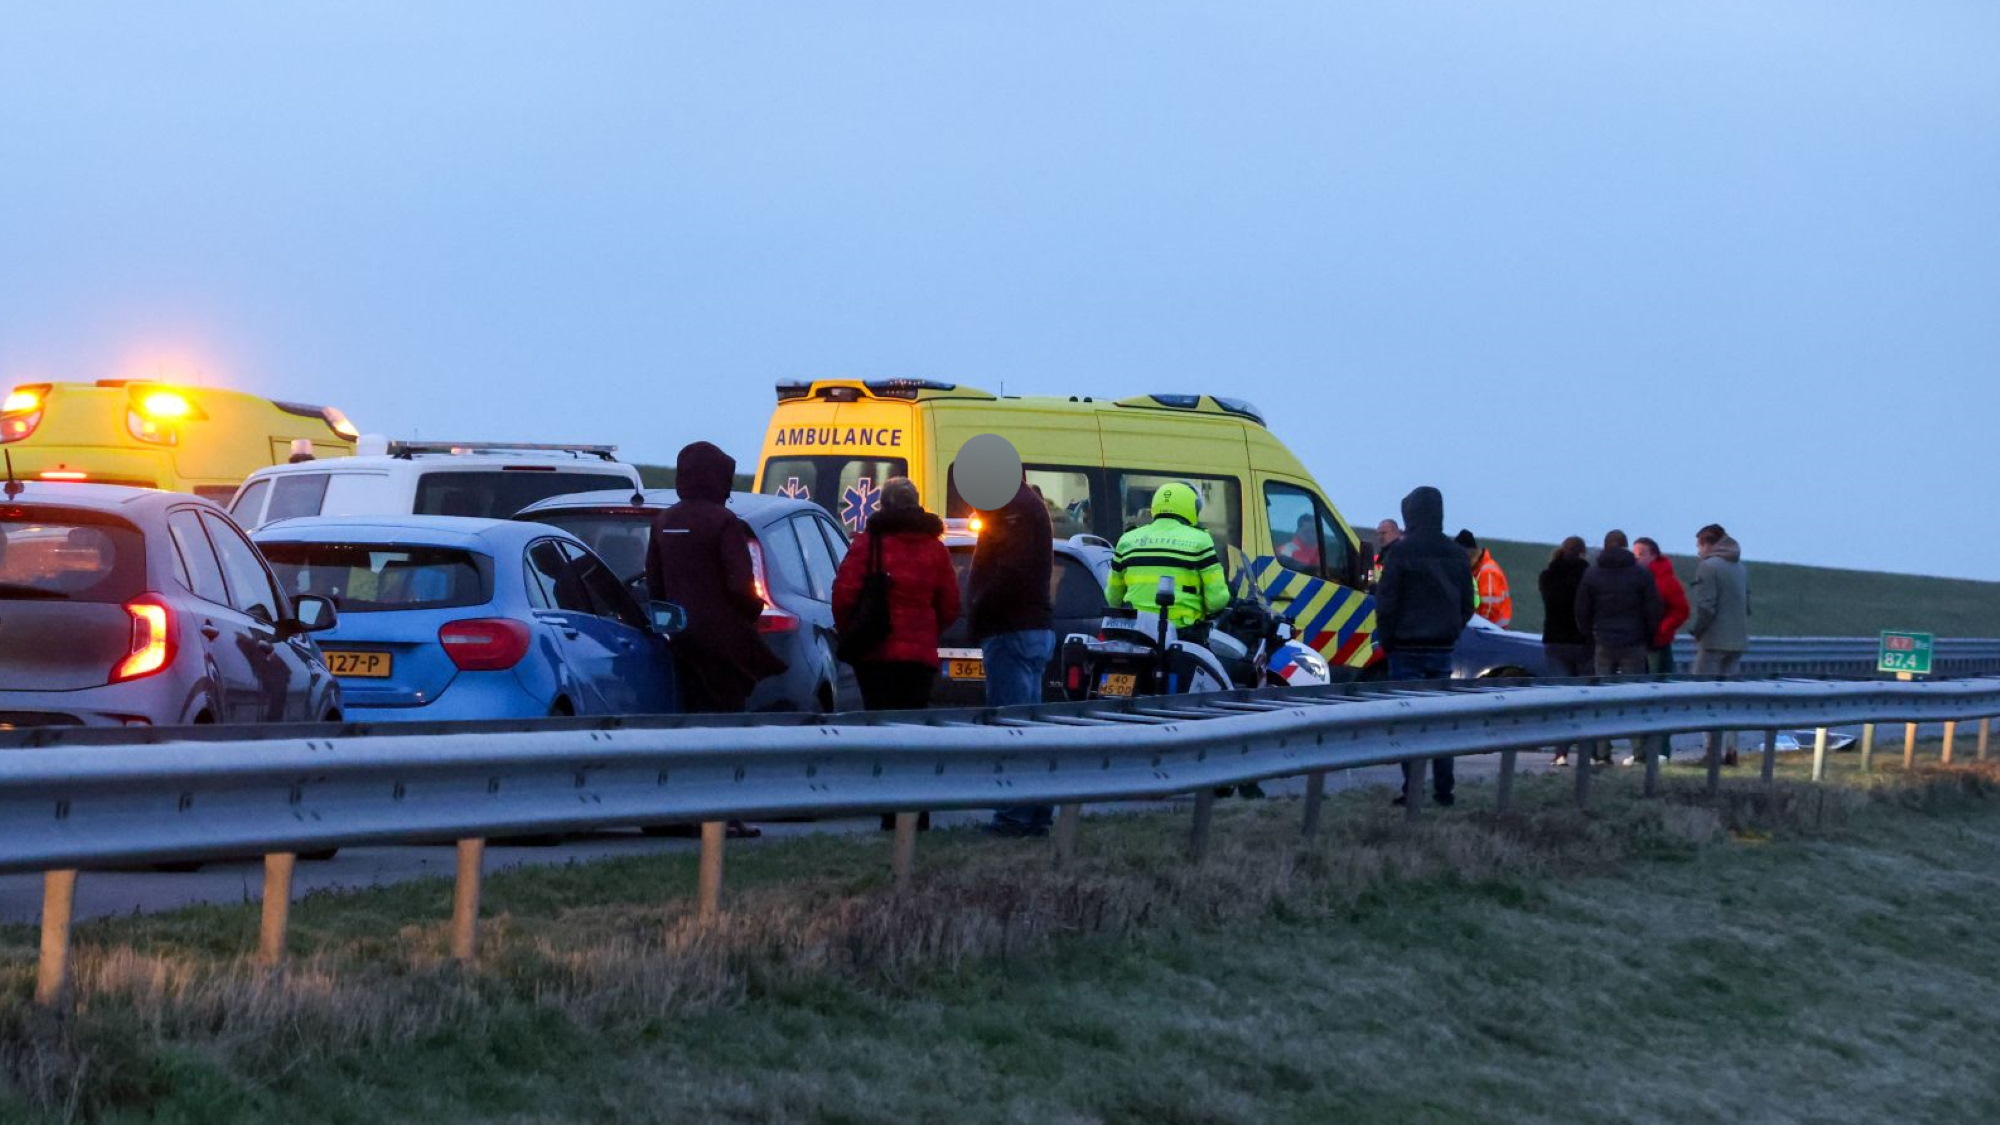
(203, 440)
(1096, 464)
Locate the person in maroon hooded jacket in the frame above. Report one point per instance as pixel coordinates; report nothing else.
(700, 560)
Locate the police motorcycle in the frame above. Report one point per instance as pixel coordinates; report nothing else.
(1142, 653)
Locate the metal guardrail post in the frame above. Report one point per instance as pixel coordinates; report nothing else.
(1068, 818)
(1819, 754)
(277, 909)
(1584, 769)
(902, 852)
(1910, 746)
(1714, 744)
(1985, 737)
(1504, 799)
(1651, 752)
(1204, 813)
(465, 901)
(1315, 800)
(1867, 747)
(58, 906)
(1413, 787)
(708, 891)
(1950, 736)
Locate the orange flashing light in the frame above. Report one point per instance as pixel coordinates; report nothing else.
(62, 474)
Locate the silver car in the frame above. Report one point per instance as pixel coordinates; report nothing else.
(133, 607)
(796, 548)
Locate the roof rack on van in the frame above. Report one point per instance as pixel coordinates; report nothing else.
(409, 449)
(1206, 404)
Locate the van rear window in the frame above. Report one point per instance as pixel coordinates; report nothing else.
(370, 577)
(849, 487)
(53, 554)
(498, 493)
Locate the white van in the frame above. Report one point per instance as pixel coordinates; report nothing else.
(401, 478)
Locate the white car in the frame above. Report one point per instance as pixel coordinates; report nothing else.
(407, 478)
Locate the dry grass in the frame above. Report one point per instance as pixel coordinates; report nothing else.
(599, 996)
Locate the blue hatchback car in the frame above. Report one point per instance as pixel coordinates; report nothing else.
(448, 618)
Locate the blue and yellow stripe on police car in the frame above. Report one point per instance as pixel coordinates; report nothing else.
(1337, 621)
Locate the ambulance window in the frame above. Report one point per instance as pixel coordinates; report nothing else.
(796, 477)
(860, 492)
(1304, 534)
(1221, 503)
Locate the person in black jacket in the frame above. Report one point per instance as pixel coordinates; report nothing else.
(1422, 603)
(1618, 604)
(699, 559)
(1564, 644)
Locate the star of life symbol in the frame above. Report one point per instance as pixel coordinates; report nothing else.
(861, 502)
(793, 490)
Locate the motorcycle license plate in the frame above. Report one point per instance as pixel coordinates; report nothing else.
(1117, 683)
(966, 669)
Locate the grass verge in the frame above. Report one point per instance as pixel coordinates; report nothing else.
(1805, 953)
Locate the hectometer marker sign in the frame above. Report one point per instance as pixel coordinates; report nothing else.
(1905, 652)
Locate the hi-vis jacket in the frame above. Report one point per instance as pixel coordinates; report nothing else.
(1171, 546)
(1496, 604)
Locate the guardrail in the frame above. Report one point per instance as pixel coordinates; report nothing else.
(1851, 656)
(79, 800)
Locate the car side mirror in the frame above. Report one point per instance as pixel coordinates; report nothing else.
(667, 617)
(312, 613)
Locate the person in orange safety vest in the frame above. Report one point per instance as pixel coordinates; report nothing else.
(1489, 582)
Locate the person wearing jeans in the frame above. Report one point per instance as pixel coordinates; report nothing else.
(1422, 603)
(1011, 618)
(1618, 605)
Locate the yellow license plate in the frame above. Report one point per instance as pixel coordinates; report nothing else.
(361, 665)
(1117, 683)
(966, 669)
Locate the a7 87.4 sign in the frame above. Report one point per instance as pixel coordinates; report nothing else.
(1908, 653)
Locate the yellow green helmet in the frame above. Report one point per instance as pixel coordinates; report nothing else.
(1177, 499)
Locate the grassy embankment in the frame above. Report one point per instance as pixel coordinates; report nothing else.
(1821, 953)
(1788, 600)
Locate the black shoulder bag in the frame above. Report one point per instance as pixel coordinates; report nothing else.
(871, 611)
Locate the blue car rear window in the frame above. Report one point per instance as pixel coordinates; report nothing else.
(369, 577)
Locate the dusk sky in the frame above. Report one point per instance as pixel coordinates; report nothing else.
(1578, 264)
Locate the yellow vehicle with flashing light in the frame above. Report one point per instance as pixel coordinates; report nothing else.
(203, 440)
(1096, 464)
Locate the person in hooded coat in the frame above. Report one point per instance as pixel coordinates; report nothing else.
(1618, 605)
(1721, 619)
(1422, 604)
(699, 559)
(897, 674)
(1565, 646)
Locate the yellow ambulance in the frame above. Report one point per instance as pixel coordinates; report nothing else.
(202, 440)
(1096, 464)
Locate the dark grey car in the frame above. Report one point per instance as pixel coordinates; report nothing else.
(796, 551)
(132, 607)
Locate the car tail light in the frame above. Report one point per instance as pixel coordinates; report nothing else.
(773, 619)
(22, 411)
(484, 644)
(152, 639)
(1073, 677)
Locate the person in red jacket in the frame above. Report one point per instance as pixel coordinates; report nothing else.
(1660, 651)
(897, 674)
